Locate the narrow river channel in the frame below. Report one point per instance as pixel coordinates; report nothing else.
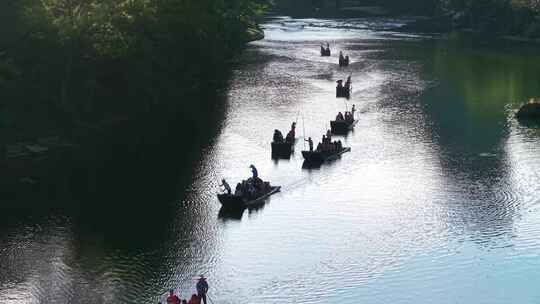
(438, 201)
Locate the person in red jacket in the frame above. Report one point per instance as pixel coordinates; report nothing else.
(172, 298)
(194, 299)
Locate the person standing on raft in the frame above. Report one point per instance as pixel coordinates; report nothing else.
(254, 172)
(226, 186)
(202, 288)
(310, 142)
(291, 134)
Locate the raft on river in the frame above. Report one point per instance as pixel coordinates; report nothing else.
(343, 124)
(342, 127)
(282, 149)
(319, 156)
(343, 61)
(344, 90)
(245, 199)
(325, 51)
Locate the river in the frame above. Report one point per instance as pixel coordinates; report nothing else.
(436, 203)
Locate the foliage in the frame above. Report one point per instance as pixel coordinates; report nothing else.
(515, 17)
(93, 59)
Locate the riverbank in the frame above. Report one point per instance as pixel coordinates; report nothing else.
(448, 24)
(303, 9)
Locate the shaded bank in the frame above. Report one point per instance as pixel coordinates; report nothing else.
(99, 74)
(334, 8)
(510, 19)
(142, 157)
(355, 8)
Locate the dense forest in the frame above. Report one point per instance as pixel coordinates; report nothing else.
(69, 63)
(513, 17)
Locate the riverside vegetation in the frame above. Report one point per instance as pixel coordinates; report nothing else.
(518, 18)
(92, 89)
(515, 18)
(67, 64)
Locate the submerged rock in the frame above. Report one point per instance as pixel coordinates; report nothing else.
(530, 111)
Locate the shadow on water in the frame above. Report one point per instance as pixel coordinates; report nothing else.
(236, 214)
(111, 227)
(127, 225)
(315, 165)
(231, 214)
(529, 123)
(468, 93)
(306, 165)
(277, 160)
(468, 110)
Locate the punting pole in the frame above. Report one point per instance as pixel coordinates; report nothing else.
(304, 130)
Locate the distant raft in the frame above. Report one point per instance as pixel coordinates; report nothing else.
(343, 60)
(325, 51)
(343, 124)
(343, 90)
(283, 147)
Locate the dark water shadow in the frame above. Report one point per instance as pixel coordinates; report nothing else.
(528, 123)
(231, 214)
(123, 211)
(236, 214)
